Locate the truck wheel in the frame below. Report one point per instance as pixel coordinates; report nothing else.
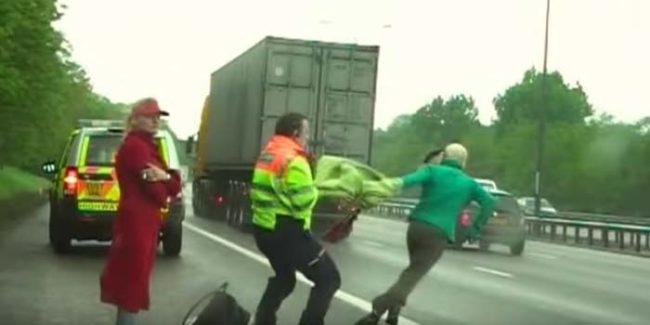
(517, 248)
(202, 198)
(246, 224)
(198, 201)
(237, 218)
(172, 239)
(245, 210)
(231, 211)
(196, 207)
(59, 234)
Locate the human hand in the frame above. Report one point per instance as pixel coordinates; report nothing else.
(155, 173)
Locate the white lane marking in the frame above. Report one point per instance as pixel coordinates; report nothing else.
(491, 271)
(545, 256)
(344, 296)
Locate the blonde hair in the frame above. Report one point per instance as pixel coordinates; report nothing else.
(456, 152)
(129, 123)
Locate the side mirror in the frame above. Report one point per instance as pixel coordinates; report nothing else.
(189, 145)
(49, 167)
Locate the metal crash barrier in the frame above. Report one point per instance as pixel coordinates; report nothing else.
(625, 234)
(624, 237)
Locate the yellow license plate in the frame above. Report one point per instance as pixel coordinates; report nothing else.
(97, 206)
(94, 189)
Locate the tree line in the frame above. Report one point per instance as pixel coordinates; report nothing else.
(43, 92)
(591, 163)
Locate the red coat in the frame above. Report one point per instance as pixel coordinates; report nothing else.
(125, 278)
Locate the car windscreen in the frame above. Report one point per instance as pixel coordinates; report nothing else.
(530, 203)
(545, 204)
(102, 149)
(506, 203)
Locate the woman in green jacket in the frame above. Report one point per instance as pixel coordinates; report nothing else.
(446, 191)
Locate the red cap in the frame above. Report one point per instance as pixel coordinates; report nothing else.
(148, 107)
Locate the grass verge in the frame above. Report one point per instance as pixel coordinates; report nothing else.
(20, 191)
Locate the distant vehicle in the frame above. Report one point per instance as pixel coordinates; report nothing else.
(545, 209)
(487, 184)
(85, 195)
(506, 226)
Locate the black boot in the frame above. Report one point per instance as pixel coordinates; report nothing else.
(393, 315)
(370, 319)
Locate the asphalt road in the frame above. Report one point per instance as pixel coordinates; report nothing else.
(549, 284)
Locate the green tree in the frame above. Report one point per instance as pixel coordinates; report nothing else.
(42, 91)
(402, 146)
(522, 102)
(592, 163)
(444, 121)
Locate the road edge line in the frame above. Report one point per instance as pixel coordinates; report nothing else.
(342, 295)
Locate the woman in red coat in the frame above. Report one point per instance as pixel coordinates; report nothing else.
(145, 188)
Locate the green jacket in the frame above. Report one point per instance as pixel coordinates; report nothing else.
(352, 181)
(446, 191)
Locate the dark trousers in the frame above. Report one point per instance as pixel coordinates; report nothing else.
(289, 248)
(425, 246)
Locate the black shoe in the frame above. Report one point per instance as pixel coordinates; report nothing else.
(393, 316)
(370, 319)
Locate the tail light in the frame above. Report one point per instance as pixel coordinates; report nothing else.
(70, 181)
(218, 200)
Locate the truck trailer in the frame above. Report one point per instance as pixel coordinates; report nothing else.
(333, 84)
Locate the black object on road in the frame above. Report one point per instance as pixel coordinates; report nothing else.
(221, 309)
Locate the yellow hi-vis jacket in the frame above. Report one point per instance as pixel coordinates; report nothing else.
(282, 184)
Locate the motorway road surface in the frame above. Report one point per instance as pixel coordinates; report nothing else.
(549, 284)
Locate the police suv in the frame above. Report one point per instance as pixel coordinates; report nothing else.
(85, 195)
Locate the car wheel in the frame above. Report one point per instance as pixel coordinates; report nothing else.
(458, 243)
(172, 239)
(59, 235)
(483, 245)
(517, 248)
(459, 238)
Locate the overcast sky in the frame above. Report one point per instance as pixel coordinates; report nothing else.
(168, 48)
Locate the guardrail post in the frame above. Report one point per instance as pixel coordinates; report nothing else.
(647, 241)
(552, 231)
(564, 232)
(577, 234)
(591, 235)
(638, 241)
(605, 234)
(545, 229)
(621, 240)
